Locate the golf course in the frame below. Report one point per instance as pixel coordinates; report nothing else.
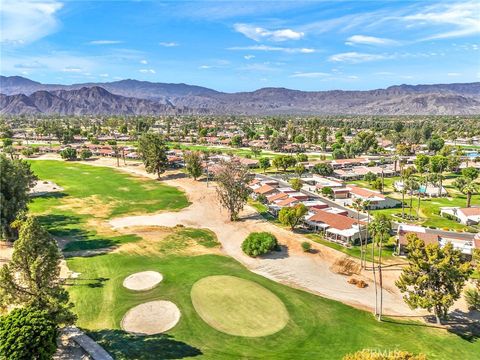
(224, 310)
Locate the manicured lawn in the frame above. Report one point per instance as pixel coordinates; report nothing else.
(118, 192)
(429, 207)
(318, 328)
(355, 251)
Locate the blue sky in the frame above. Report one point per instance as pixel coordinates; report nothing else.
(242, 46)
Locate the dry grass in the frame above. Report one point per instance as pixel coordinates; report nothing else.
(346, 266)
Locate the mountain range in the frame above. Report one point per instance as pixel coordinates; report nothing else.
(20, 95)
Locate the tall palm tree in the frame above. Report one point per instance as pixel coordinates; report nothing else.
(380, 228)
(358, 206)
(467, 187)
(366, 207)
(422, 181)
(412, 185)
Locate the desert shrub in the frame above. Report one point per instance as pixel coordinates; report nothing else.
(69, 154)
(306, 246)
(472, 297)
(259, 243)
(85, 154)
(383, 355)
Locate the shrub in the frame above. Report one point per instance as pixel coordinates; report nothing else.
(262, 198)
(306, 246)
(472, 297)
(68, 154)
(259, 243)
(85, 154)
(383, 355)
(27, 333)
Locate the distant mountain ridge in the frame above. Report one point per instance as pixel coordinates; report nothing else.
(132, 97)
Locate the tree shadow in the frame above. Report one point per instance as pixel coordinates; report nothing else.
(173, 176)
(281, 252)
(464, 324)
(123, 345)
(92, 283)
(50, 195)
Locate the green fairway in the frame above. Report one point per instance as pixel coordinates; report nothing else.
(110, 192)
(238, 307)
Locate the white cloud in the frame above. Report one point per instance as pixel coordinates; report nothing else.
(355, 57)
(144, 62)
(258, 33)
(309, 75)
(249, 57)
(103, 75)
(453, 74)
(369, 40)
(273, 48)
(464, 17)
(24, 21)
(105, 42)
(168, 44)
(147, 71)
(72, 69)
(205, 67)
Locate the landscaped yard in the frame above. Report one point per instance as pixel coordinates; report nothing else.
(429, 207)
(316, 328)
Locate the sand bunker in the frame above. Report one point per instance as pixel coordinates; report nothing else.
(142, 281)
(44, 187)
(150, 318)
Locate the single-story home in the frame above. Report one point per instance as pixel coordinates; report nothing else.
(377, 200)
(465, 216)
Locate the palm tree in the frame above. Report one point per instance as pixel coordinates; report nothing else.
(358, 206)
(467, 187)
(380, 228)
(366, 207)
(422, 180)
(412, 185)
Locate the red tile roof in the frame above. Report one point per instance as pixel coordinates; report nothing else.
(264, 189)
(427, 238)
(335, 221)
(276, 197)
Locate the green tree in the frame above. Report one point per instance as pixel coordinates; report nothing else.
(438, 165)
(153, 152)
(300, 169)
(434, 277)
(327, 192)
(193, 163)
(236, 141)
(421, 163)
(232, 190)
(296, 184)
(291, 216)
(370, 177)
(323, 169)
(259, 243)
(69, 153)
(256, 151)
(27, 333)
(435, 144)
(31, 278)
(468, 187)
(264, 163)
(85, 154)
(16, 179)
(470, 173)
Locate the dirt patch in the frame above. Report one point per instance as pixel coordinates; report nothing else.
(346, 266)
(142, 281)
(161, 240)
(151, 318)
(43, 187)
(6, 251)
(91, 205)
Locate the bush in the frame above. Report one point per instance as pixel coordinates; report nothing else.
(472, 297)
(27, 333)
(259, 243)
(306, 246)
(85, 154)
(68, 154)
(384, 355)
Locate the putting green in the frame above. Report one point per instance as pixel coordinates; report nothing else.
(238, 307)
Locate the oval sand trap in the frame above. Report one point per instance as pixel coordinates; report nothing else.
(150, 318)
(238, 307)
(142, 281)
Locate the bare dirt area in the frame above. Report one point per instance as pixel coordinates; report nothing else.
(150, 318)
(43, 187)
